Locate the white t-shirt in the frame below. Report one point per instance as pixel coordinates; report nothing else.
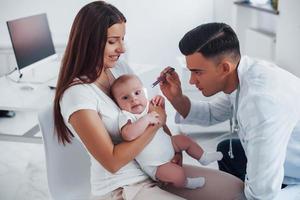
(89, 96)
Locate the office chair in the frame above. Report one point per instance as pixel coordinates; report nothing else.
(68, 167)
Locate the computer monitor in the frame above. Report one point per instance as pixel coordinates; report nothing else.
(32, 44)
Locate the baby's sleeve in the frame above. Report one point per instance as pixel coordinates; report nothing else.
(124, 117)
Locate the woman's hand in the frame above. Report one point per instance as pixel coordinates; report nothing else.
(171, 87)
(152, 118)
(161, 112)
(177, 159)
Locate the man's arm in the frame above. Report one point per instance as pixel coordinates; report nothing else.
(171, 89)
(182, 105)
(200, 112)
(207, 113)
(167, 130)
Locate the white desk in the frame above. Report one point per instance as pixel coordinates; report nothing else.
(26, 104)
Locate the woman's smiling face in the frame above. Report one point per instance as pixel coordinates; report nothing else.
(114, 46)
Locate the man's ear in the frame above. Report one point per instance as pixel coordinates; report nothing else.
(226, 67)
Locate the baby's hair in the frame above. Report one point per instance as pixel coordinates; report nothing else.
(121, 80)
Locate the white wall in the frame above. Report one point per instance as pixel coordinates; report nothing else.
(249, 18)
(225, 11)
(241, 19)
(154, 27)
(277, 36)
(288, 36)
(60, 15)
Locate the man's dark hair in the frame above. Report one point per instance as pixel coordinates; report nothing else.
(211, 40)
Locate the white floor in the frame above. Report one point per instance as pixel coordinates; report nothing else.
(22, 171)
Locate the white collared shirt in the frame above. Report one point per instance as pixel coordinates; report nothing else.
(269, 119)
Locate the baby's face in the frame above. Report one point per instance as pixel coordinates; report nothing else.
(131, 97)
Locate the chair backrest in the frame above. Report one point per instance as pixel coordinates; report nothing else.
(68, 167)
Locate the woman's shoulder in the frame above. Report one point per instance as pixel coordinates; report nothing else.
(78, 89)
(76, 97)
(79, 93)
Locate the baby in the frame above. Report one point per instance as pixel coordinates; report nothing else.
(156, 157)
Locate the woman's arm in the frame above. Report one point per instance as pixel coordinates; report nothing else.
(93, 134)
(132, 130)
(159, 100)
(167, 130)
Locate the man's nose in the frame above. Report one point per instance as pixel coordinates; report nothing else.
(192, 80)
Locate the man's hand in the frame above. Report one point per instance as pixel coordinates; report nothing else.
(171, 87)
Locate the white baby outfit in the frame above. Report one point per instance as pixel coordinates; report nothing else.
(159, 151)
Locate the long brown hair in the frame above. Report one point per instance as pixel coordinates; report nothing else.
(83, 58)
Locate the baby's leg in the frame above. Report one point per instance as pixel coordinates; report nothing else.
(184, 143)
(174, 174)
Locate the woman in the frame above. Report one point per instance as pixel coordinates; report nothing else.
(84, 109)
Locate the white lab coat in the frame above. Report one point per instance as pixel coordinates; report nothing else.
(269, 118)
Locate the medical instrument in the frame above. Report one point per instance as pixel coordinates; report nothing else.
(163, 77)
(234, 124)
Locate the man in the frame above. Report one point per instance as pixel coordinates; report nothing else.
(261, 100)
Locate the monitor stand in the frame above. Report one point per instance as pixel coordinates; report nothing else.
(22, 85)
(40, 73)
(26, 88)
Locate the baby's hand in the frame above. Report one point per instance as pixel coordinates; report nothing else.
(158, 100)
(153, 118)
